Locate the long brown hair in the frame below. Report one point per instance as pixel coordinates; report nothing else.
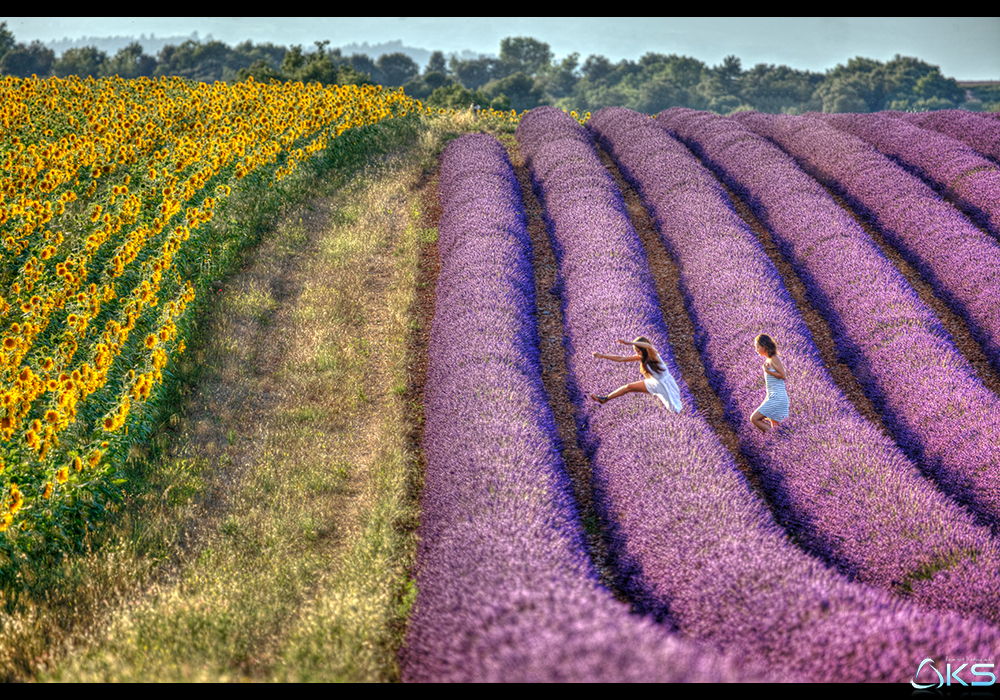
(766, 342)
(647, 362)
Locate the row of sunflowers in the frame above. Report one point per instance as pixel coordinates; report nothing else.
(107, 190)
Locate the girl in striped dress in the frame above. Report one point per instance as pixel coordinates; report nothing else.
(775, 406)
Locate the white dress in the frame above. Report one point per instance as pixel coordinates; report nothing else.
(662, 386)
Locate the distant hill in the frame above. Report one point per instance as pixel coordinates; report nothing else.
(152, 44)
(421, 56)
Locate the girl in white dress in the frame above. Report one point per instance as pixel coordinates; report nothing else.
(657, 379)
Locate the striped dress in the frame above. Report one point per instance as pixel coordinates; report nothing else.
(775, 406)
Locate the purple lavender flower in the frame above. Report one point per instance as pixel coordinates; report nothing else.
(981, 134)
(960, 174)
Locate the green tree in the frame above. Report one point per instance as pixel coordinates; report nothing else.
(524, 55)
(261, 71)
(397, 68)
(729, 71)
(437, 63)
(559, 80)
(473, 73)
(436, 79)
(319, 69)
(659, 94)
(82, 61)
(362, 64)
(319, 66)
(294, 60)
(129, 62)
(24, 61)
(682, 71)
(904, 82)
(934, 85)
(840, 94)
(596, 68)
(719, 87)
(605, 84)
(248, 53)
(523, 91)
(423, 87)
(778, 89)
(346, 75)
(7, 42)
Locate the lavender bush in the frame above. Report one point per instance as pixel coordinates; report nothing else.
(927, 393)
(506, 592)
(690, 542)
(960, 174)
(960, 261)
(981, 134)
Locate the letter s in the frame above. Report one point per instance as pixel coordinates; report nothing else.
(993, 679)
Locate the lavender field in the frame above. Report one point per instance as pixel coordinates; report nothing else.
(851, 543)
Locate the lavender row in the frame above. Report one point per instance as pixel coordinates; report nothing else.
(960, 261)
(960, 174)
(982, 135)
(691, 542)
(927, 393)
(506, 592)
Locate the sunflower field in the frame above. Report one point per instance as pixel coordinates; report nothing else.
(108, 193)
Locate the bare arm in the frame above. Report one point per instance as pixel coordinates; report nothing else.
(638, 345)
(647, 346)
(617, 358)
(776, 369)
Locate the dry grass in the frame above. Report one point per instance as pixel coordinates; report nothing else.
(275, 535)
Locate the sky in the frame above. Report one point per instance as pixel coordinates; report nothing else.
(965, 48)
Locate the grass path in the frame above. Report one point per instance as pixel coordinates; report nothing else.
(274, 537)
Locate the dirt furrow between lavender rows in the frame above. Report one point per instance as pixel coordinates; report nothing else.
(554, 373)
(956, 327)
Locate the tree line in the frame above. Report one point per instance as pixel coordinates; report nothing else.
(526, 75)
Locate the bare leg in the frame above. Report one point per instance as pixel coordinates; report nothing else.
(763, 424)
(638, 387)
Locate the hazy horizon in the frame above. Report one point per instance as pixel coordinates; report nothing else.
(966, 48)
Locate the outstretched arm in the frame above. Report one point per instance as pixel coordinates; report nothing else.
(638, 345)
(617, 358)
(646, 346)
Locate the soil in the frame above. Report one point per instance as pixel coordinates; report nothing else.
(423, 314)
